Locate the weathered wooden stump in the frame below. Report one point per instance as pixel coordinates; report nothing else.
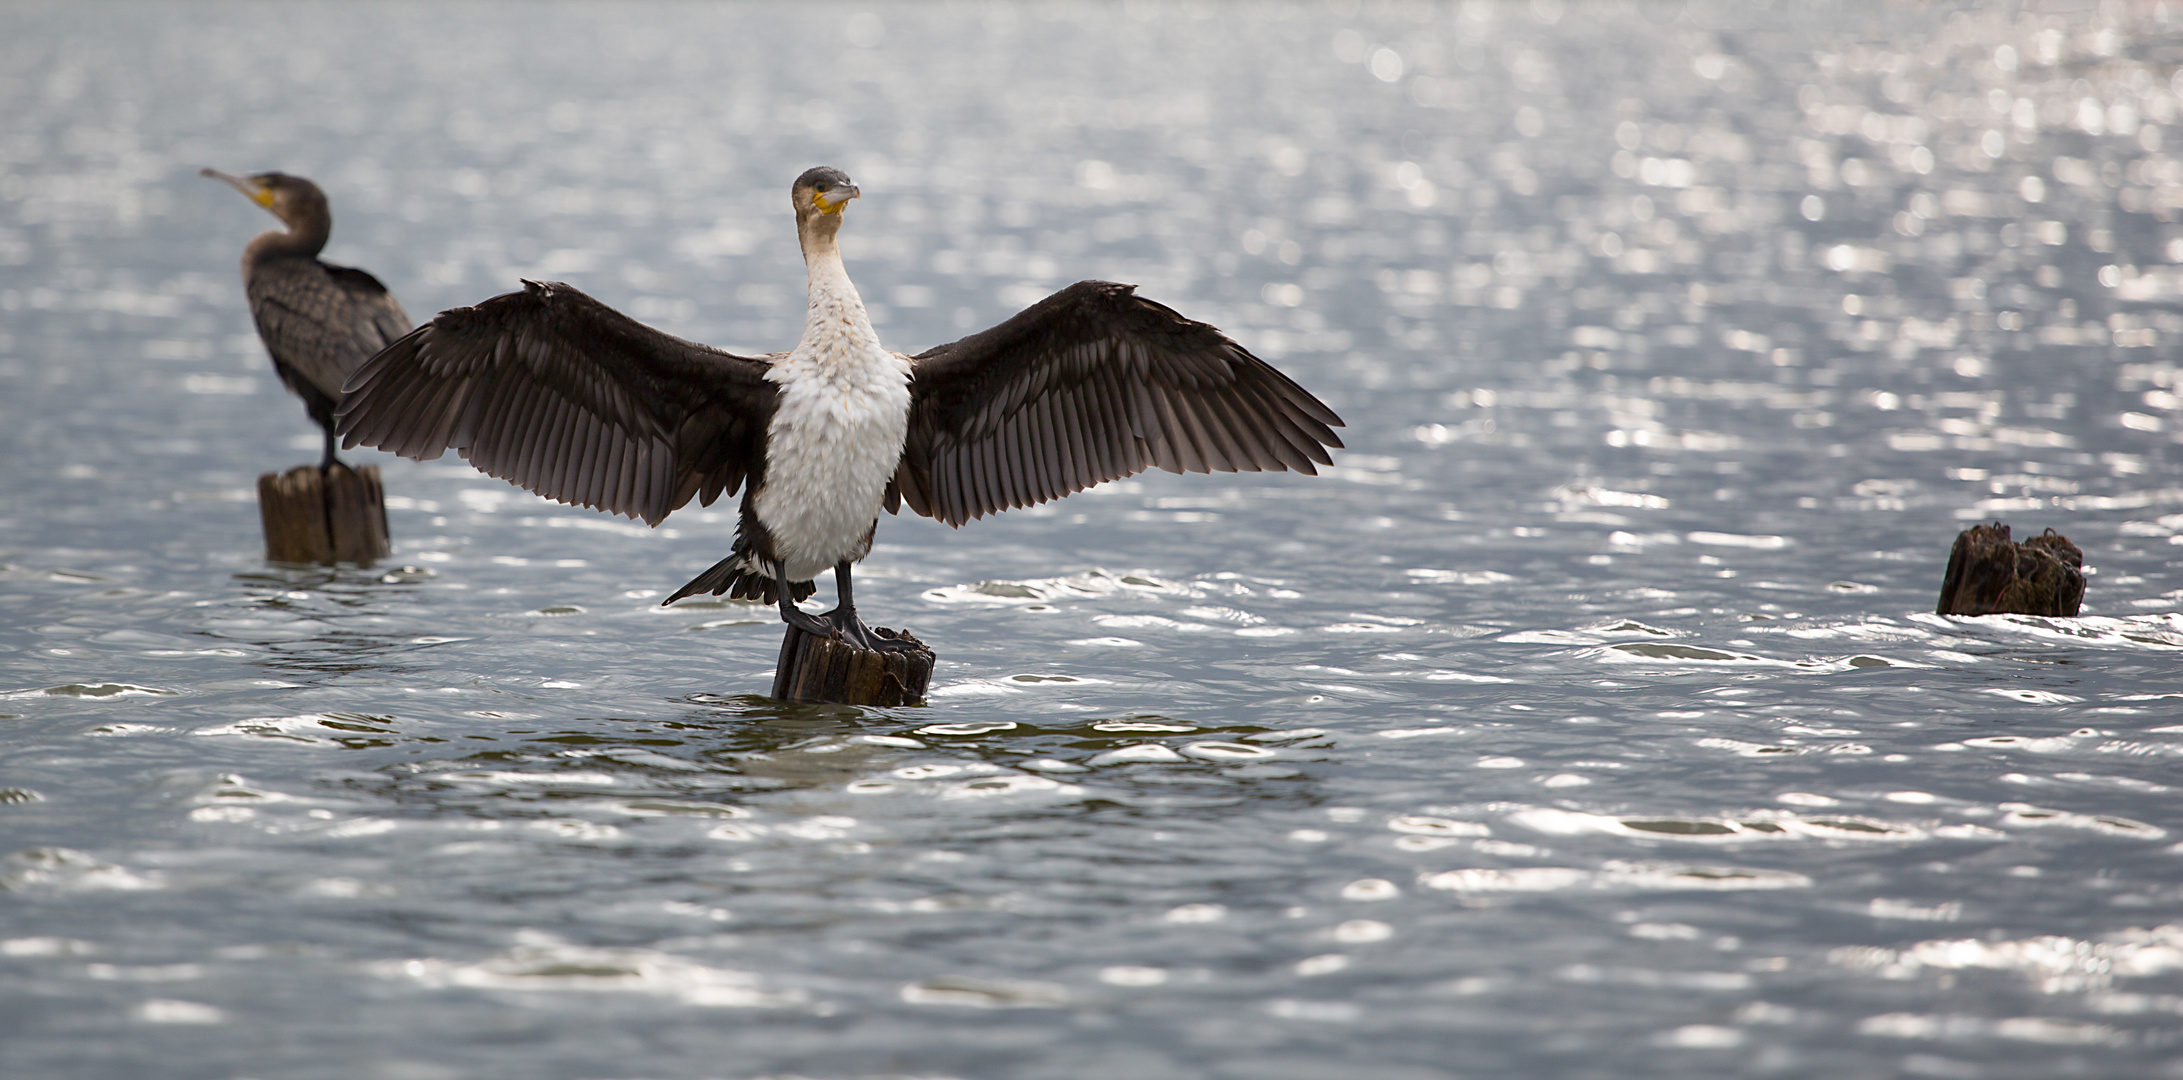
(335, 515)
(823, 669)
(1989, 574)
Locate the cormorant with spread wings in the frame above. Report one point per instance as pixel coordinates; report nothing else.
(569, 398)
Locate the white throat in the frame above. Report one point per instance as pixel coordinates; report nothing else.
(832, 307)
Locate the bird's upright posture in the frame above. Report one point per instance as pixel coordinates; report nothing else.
(576, 401)
(319, 321)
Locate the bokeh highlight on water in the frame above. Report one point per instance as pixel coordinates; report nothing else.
(1584, 720)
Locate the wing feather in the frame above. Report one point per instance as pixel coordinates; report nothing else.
(986, 486)
(1226, 447)
(1110, 434)
(538, 435)
(1020, 454)
(452, 405)
(617, 473)
(1060, 421)
(970, 476)
(1186, 446)
(996, 472)
(1297, 436)
(1213, 447)
(585, 455)
(1068, 422)
(385, 404)
(1020, 451)
(560, 394)
(501, 428)
(524, 422)
(555, 463)
(1046, 460)
(1279, 443)
(1245, 441)
(1134, 403)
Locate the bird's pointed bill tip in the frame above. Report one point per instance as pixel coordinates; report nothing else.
(257, 191)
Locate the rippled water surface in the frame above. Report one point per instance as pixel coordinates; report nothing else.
(1584, 720)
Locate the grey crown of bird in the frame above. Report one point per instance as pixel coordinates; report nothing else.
(566, 397)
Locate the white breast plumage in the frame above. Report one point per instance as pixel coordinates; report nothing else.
(836, 437)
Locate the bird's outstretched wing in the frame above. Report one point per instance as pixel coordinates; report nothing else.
(560, 394)
(321, 321)
(1088, 385)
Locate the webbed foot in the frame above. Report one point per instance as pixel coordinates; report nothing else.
(853, 631)
(815, 625)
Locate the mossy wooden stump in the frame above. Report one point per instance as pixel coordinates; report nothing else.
(334, 515)
(830, 670)
(1989, 574)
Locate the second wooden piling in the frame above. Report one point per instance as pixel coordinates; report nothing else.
(335, 515)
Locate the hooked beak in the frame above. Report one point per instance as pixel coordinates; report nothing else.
(251, 189)
(833, 199)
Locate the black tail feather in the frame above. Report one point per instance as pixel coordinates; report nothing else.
(735, 577)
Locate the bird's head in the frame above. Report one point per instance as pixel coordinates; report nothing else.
(819, 195)
(290, 198)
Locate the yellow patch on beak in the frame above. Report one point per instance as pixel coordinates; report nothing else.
(829, 202)
(263, 196)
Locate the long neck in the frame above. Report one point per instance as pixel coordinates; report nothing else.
(833, 301)
(305, 238)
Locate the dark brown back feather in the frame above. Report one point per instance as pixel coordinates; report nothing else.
(1091, 384)
(319, 320)
(562, 395)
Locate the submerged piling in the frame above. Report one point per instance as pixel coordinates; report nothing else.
(1990, 574)
(823, 669)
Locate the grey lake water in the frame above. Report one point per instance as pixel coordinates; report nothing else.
(1586, 719)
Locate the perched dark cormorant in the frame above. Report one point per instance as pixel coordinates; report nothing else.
(571, 399)
(319, 321)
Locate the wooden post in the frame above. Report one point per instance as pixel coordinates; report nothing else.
(823, 669)
(337, 515)
(1989, 574)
